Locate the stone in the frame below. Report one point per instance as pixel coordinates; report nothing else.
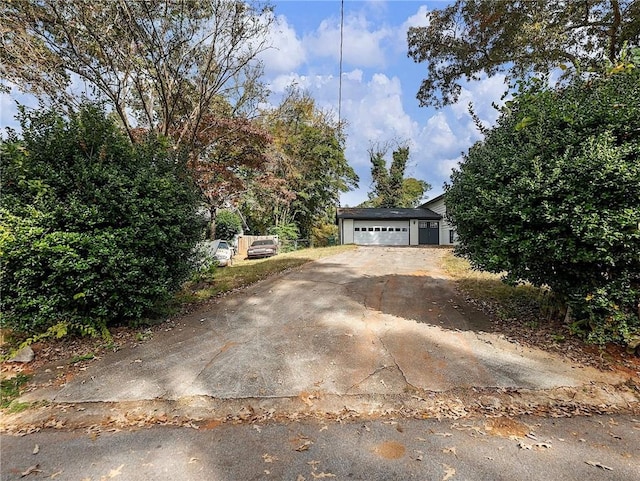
(23, 355)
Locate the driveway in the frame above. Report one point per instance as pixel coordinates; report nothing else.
(370, 322)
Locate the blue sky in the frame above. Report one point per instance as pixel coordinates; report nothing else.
(379, 83)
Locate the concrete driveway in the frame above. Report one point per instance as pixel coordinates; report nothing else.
(375, 321)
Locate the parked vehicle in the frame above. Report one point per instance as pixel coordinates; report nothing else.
(224, 254)
(262, 248)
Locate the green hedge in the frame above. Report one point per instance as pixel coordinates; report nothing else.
(95, 229)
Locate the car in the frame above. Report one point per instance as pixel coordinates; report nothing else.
(223, 254)
(262, 248)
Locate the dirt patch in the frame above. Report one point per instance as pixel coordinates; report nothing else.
(506, 427)
(390, 450)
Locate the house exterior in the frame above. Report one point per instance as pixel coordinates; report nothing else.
(447, 231)
(397, 227)
(425, 225)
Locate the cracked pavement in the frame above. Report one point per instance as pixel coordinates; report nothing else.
(335, 328)
(366, 365)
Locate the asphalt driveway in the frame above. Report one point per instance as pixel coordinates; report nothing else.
(375, 321)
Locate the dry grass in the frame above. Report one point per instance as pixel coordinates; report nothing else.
(525, 302)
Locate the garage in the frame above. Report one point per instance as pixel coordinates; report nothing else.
(391, 233)
(388, 227)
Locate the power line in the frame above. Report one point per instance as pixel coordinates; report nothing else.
(340, 79)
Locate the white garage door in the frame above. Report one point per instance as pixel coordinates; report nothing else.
(381, 232)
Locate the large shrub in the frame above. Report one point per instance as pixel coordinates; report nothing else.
(94, 229)
(552, 196)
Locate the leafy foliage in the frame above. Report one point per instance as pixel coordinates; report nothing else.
(228, 224)
(166, 62)
(472, 37)
(552, 196)
(94, 229)
(390, 188)
(306, 172)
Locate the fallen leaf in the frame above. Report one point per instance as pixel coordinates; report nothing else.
(301, 478)
(446, 435)
(115, 472)
(193, 460)
(599, 465)
(304, 446)
(322, 475)
(36, 449)
(451, 450)
(31, 469)
(257, 428)
(523, 445)
(268, 458)
(324, 428)
(449, 472)
(266, 471)
(56, 474)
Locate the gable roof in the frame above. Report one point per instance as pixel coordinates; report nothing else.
(431, 201)
(362, 213)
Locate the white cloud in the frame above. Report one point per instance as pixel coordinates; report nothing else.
(287, 52)
(362, 42)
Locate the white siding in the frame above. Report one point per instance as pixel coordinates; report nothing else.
(439, 208)
(415, 233)
(347, 231)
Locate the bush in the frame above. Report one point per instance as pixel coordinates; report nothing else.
(552, 196)
(228, 224)
(324, 235)
(94, 229)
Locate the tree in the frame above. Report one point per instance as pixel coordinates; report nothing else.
(307, 170)
(228, 224)
(390, 188)
(472, 37)
(161, 64)
(94, 230)
(552, 196)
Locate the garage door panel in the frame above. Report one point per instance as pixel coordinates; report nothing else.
(381, 232)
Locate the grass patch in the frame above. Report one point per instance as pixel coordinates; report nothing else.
(523, 301)
(82, 357)
(10, 389)
(245, 272)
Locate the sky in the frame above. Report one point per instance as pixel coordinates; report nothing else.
(379, 84)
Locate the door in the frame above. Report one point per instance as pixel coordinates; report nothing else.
(428, 232)
(381, 232)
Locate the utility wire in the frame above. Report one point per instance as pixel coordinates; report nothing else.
(340, 79)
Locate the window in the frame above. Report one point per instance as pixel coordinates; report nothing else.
(433, 225)
(452, 236)
(398, 229)
(357, 229)
(377, 229)
(384, 229)
(423, 224)
(404, 229)
(370, 229)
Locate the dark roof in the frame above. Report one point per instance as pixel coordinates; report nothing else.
(388, 214)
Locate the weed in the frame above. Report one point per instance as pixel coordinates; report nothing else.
(82, 357)
(10, 389)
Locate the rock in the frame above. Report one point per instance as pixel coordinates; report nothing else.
(24, 355)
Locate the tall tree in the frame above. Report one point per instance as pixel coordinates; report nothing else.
(308, 169)
(390, 188)
(161, 64)
(471, 37)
